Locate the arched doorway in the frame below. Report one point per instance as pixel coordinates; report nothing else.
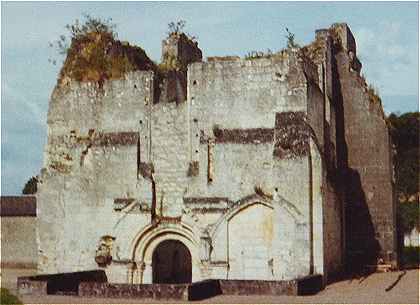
(171, 263)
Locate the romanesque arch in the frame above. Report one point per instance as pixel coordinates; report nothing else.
(171, 263)
(149, 242)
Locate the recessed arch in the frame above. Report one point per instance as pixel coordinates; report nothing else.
(149, 239)
(253, 199)
(149, 234)
(237, 207)
(171, 263)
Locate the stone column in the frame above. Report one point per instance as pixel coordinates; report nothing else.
(147, 274)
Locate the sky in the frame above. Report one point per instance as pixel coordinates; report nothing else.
(386, 35)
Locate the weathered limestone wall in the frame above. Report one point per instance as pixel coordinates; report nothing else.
(170, 146)
(245, 93)
(118, 105)
(258, 123)
(248, 101)
(18, 229)
(369, 194)
(243, 161)
(322, 105)
(97, 139)
(234, 105)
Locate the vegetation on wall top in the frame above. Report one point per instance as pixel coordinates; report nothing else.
(93, 52)
(30, 186)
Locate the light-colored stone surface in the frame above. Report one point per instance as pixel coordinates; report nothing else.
(18, 241)
(243, 207)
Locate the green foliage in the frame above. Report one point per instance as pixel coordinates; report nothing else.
(291, 43)
(408, 216)
(30, 186)
(79, 30)
(176, 27)
(405, 129)
(95, 55)
(410, 256)
(170, 63)
(407, 173)
(405, 135)
(373, 94)
(259, 54)
(8, 298)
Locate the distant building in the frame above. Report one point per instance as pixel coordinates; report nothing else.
(412, 239)
(19, 247)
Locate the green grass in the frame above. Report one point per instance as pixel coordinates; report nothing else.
(8, 298)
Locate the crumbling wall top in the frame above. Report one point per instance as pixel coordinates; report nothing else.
(179, 49)
(343, 32)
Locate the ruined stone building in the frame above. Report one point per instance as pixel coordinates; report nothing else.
(270, 167)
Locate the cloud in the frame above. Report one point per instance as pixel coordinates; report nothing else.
(389, 59)
(23, 130)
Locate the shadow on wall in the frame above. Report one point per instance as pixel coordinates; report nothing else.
(361, 246)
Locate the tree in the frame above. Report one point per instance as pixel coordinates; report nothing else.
(404, 130)
(30, 186)
(408, 216)
(405, 134)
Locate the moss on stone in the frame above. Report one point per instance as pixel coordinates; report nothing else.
(96, 57)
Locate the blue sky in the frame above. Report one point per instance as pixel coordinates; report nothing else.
(386, 35)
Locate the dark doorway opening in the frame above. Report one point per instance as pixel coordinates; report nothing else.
(171, 263)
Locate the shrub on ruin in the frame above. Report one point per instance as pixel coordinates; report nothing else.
(259, 54)
(291, 43)
(177, 29)
(30, 186)
(373, 94)
(93, 52)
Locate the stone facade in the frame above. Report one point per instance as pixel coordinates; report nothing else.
(255, 165)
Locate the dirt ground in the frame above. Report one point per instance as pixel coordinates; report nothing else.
(400, 287)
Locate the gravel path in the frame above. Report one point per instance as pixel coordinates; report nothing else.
(400, 287)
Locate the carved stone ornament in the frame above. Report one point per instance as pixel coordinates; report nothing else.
(103, 256)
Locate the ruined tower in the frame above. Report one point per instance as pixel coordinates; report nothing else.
(256, 168)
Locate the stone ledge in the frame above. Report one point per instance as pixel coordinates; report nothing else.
(258, 287)
(59, 283)
(94, 284)
(206, 200)
(149, 291)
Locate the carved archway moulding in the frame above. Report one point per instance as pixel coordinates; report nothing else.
(236, 208)
(254, 199)
(149, 237)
